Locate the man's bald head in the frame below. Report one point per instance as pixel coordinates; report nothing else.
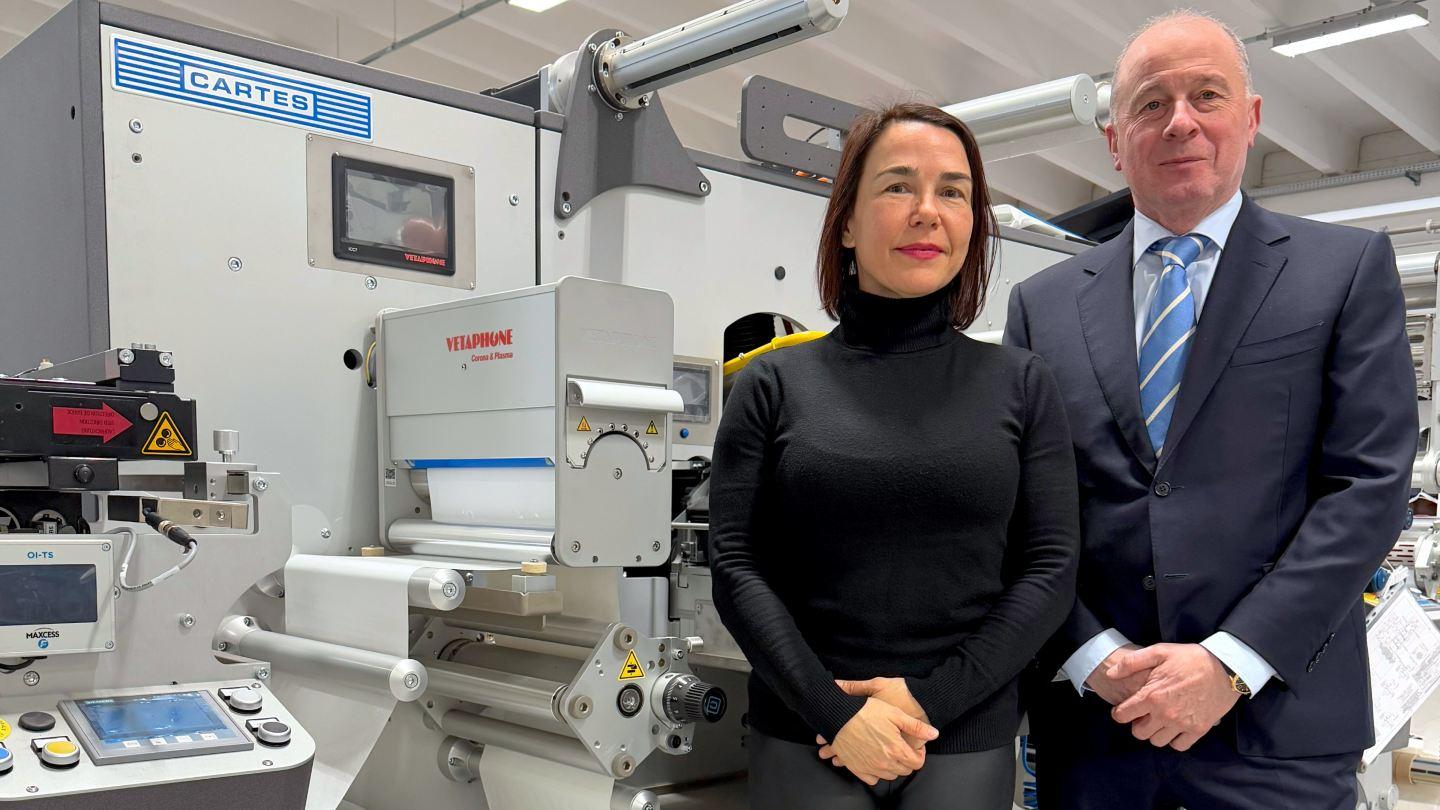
(1180, 21)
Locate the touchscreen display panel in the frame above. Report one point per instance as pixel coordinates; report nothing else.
(125, 718)
(47, 594)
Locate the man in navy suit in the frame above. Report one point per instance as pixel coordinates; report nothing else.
(1242, 403)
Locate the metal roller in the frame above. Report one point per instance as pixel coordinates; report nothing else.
(436, 588)
(1418, 278)
(404, 678)
(431, 539)
(518, 694)
(1059, 111)
(629, 71)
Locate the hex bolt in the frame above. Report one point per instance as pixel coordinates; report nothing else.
(655, 546)
(619, 116)
(580, 707)
(325, 534)
(565, 207)
(575, 547)
(167, 359)
(704, 187)
(109, 645)
(236, 265)
(618, 474)
(187, 621)
(262, 673)
(412, 681)
(260, 485)
(449, 589)
(136, 127)
(514, 199)
(222, 646)
(311, 262)
(32, 678)
(127, 356)
(371, 283)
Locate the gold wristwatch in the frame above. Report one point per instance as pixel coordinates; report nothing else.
(1237, 683)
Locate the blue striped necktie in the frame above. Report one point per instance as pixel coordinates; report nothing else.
(1169, 332)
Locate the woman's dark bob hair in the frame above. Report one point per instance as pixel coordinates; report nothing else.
(967, 290)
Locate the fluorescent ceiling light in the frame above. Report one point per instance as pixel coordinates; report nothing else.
(1338, 30)
(536, 5)
(1381, 210)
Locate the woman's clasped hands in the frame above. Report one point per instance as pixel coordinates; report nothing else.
(886, 738)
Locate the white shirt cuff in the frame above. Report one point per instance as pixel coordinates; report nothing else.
(1243, 661)
(1093, 653)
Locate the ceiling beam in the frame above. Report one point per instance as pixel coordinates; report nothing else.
(1407, 99)
(1089, 159)
(1042, 187)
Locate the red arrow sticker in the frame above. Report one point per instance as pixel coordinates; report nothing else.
(103, 422)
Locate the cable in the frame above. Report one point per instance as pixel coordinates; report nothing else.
(171, 532)
(25, 663)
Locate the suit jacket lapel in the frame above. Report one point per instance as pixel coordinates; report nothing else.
(1107, 320)
(1248, 268)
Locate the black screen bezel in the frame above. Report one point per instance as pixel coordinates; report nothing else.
(350, 250)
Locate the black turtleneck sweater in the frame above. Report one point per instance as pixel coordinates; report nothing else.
(894, 499)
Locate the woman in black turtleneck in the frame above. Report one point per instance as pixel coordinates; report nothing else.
(894, 505)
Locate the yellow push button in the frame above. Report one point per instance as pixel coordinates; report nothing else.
(60, 753)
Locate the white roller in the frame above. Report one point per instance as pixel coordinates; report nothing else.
(623, 396)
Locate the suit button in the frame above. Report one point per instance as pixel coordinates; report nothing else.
(1162, 489)
(1148, 583)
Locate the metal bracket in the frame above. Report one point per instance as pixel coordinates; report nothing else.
(765, 103)
(603, 148)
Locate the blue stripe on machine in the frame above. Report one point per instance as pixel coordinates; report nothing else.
(482, 463)
(153, 70)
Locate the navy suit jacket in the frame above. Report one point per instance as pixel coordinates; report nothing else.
(1286, 469)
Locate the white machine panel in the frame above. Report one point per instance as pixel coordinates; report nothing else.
(716, 256)
(206, 219)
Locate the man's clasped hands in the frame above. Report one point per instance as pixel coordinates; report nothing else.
(1169, 694)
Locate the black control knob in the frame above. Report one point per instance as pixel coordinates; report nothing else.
(84, 473)
(690, 700)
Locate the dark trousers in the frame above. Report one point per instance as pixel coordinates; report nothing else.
(1084, 760)
(791, 776)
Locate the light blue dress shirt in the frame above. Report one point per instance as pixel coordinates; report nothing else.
(1232, 652)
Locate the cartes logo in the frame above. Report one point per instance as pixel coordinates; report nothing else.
(217, 83)
(479, 340)
(418, 259)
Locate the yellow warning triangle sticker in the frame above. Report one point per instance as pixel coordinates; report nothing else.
(584, 425)
(632, 670)
(165, 439)
(651, 431)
